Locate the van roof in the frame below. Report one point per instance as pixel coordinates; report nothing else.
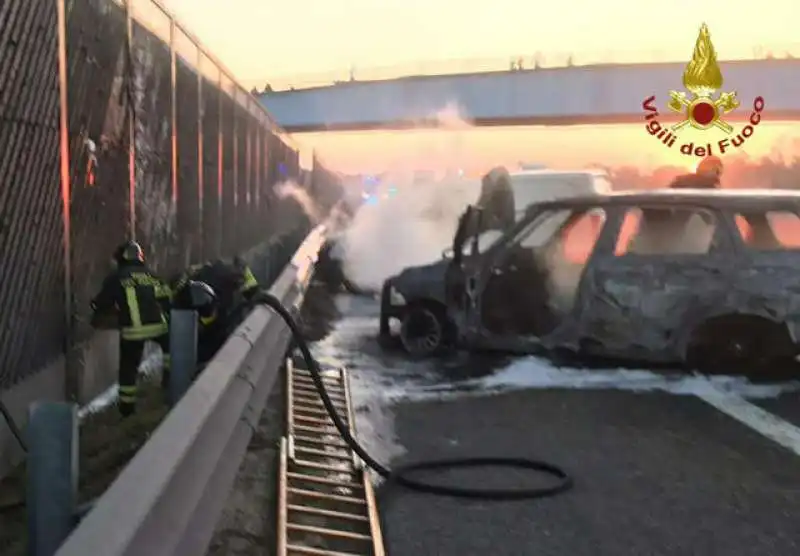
(549, 172)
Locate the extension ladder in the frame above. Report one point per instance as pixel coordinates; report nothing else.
(326, 505)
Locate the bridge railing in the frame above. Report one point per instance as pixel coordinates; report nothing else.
(513, 62)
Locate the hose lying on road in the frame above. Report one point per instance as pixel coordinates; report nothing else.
(400, 475)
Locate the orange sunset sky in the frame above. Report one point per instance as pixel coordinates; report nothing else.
(303, 41)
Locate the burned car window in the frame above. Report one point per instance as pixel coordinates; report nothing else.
(666, 231)
(542, 230)
(770, 230)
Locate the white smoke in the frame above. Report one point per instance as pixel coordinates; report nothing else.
(291, 190)
(412, 221)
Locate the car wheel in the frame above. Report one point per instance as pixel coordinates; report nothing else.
(422, 331)
(762, 352)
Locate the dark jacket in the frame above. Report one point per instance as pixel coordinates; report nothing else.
(138, 298)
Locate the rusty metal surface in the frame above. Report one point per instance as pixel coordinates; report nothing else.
(156, 225)
(228, 174)
(188, 179)
(98, 103)
(212, 207)
(32, 276)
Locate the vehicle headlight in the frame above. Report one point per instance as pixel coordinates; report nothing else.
(395, 297)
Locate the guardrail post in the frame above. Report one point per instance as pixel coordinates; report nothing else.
(183, 353)
(52, 488)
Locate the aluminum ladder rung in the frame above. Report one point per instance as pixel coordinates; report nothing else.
(316, 420)
(328, 532)
(324, 467)
(309, 440)
(323, 453)
(312, 391)
(323, 480)
(303, 550)
(325, 495)
(327, 513)
(340, 406)
(325, 499)
(314, 411)
(319, 430)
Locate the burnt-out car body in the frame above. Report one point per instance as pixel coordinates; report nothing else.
(705, 278)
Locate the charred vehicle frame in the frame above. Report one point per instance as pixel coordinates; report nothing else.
(687, 277)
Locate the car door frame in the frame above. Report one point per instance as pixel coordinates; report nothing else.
(654, 267)
(477, 334)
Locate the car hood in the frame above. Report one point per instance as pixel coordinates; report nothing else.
(422, 281)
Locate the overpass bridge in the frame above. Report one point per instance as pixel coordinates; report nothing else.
(595, 94)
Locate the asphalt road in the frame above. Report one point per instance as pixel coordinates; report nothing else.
(658, 470)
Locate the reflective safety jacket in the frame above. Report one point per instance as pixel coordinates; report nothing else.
(140, 300)
(249, 282)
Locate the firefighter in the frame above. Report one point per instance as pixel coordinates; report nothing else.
(198, 296)
(228, 281)
(497, 200)
(138, 302)
(707, 175)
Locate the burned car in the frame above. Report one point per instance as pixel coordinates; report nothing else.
(704, 278)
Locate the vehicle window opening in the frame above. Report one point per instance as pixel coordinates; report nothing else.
(666, 231)
(769, 231)
(533, 287)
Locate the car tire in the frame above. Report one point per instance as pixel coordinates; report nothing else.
(761, 351)
(424, 330)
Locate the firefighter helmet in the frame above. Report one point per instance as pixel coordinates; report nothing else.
(197, 296)
(129, 252)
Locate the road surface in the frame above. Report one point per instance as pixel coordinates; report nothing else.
(664, 465)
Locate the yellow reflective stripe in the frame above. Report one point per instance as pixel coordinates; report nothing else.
(166, 361)
(163, 290)
(249, 281)
(145, 332)
(207, 320)
(127, 394)
(133, 307)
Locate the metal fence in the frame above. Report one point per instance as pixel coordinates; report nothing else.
(160, 143)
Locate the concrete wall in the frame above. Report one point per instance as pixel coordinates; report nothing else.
(587, 94)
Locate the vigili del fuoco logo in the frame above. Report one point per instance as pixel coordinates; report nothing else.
(702, 109)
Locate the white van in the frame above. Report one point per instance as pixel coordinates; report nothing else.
(535, 186)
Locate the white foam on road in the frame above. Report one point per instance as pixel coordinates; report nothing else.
(725, 393)
(534, 372)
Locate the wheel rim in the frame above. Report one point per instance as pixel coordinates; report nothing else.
(421, 332)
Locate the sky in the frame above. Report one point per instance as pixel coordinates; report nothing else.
(265, 41)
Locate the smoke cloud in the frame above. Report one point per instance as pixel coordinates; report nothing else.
(411, 217)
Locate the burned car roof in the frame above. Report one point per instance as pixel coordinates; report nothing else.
(731, 199)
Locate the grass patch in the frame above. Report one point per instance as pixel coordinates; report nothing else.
(107, 443)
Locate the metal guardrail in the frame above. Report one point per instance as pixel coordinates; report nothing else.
(169, 498)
